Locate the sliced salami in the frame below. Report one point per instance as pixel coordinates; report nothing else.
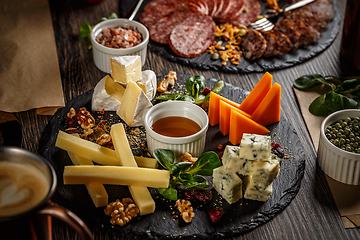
(219, 5)
(293, 35)
(307, 37)
(272, 44)
(309, 19)
(315, 33)
(321, 6)
(193, 36)
(211, 4)
(161, 30)
(285, 43)
(200, 5)
(325, 18)
(234, 7)
(253, 44)
(225, 6)
(248, 14)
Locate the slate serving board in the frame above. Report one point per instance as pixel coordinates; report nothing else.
(204, 61)
(239, 217)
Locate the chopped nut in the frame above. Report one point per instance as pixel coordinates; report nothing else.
(71, 113)
(103, 139)
(186, 210)
(170, 79)
(121, 212)
(86, 133)
(186, 157)
(85, 119)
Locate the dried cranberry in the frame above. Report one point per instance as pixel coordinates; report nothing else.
(206, 91)
(189, 195)
(71, 131)
(277, 150)
(216, 214)
(203, 196)
(221, 155)
(176, 217)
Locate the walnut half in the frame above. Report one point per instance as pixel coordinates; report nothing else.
(170, 79)
(186, 210)
(121, 212)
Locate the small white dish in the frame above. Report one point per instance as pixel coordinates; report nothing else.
(194, 144)
(339, 164)
(102, 54)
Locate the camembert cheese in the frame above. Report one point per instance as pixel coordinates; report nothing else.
(125, 69)
(148, 83)
(101, 98)
(134, 105)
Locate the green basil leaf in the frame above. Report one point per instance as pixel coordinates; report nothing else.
(113, 16)
(185, 177)
(165, 157)
(195, 85)
(198, 182)
(336, 102)
(308, 81)
(85, 30)
(318, 107)
(179, 97)
(201, 99)
(205, 164)
(169, 193)
(349, 86)
(179, 168)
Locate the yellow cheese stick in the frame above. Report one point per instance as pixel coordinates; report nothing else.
(116, 175)
(96, 191)
(141, 195)
(95, 152)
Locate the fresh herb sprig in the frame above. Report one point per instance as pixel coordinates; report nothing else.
(86, 28)
(334, 100)
(195, 86)
(185, 173)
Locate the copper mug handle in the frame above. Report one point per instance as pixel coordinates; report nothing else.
(55, 210)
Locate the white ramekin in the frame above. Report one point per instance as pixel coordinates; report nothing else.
(194, 144)
(340, 165)
(103, 54)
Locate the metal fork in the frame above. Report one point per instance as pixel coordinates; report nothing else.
(266, 24)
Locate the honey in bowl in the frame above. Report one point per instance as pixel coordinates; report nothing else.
(175, 126)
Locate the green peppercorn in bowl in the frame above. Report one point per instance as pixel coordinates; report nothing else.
(339, 146)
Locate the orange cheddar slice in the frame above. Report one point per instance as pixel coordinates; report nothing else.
(224, 116)
(240, 124)
(268, 111)
(214, 103)
(257, 94)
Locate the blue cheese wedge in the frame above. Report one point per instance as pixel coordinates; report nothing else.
(263, 173)
(227, 184)
(253, 192)
(255, 147)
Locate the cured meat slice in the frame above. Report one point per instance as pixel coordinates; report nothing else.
(161, 30)
(219, 6)
(253, 44)
(224, 8)
(321, 6)
(325, 18)
(272, 44)
(309, 19)
(307, 37)
(293, 35)
(248, 13)
(235, 6)
(315, 33)
(200, 5)
(285, 43)
(211, 4)
(193, 36)
(157, 9)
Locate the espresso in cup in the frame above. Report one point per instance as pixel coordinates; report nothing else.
(22, 186)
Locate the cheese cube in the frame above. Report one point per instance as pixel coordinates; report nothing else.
(125, 69)
(255, 147)
(134, 105)
(227, 184)
(101, 99)
(263, 173)
(253, 192)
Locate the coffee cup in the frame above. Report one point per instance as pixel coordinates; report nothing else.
(27, 184)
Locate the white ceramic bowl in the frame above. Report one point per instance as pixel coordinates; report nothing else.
(194, 144)
(103, 54)
(341, 165)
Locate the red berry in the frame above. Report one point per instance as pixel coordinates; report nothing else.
(189, 195)
(206, 91)
(203, 196)
(102, 122)
(176, 217)
(277, 150)
(220, 146)
(216, 214)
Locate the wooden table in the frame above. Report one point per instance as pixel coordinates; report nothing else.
(311, 215)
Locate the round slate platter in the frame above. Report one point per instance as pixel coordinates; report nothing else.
(239, 217)
(259, 65)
